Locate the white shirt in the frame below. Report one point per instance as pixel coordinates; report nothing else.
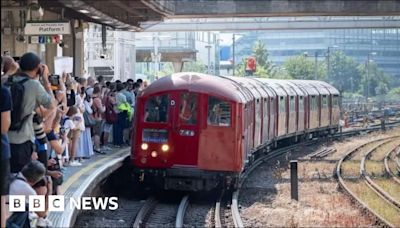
(20, 187)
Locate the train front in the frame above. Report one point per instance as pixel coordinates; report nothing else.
(178, 128)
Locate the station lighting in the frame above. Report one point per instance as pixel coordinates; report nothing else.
(144, 146)
(154, 154)
(165, 147)
(84, 11)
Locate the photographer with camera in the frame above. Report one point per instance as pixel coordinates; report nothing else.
(27, 94)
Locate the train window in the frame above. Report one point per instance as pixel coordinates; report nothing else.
(292, 105)
(324, 101)
(301, 104)
(219, 112)
(282, 105)
(157, 109)
(314, 105)
(188, 108)
(335, 101)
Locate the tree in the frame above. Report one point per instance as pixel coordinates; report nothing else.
(197, 66)
(300, 67)
(343, 73)
(377, 81)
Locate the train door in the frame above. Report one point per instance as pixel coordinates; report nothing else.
(185, 127)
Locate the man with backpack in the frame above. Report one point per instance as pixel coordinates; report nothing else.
(27, 94)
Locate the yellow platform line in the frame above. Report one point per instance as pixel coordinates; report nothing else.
(77, 175)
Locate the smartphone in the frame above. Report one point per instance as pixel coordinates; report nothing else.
(54, 80)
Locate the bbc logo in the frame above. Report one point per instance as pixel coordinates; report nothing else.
(36, 203)
(57, 203)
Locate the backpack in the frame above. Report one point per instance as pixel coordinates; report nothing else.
(17, 90)
(110, 114)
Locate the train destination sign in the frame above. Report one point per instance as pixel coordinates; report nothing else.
(47, 28)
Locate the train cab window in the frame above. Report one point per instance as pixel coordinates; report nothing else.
(219, 112)
(188, 108)
(324, 101)
(156, 109)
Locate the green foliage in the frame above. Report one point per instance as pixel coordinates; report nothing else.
(393, 95)
(301, 67)
(343, 73)
(376, 80)
(264, 69)
(197, 66)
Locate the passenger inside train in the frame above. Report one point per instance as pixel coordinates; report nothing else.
(188, 113)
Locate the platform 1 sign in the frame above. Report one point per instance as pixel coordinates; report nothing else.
(47, 28)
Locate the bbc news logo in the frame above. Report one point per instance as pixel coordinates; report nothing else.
(58, 203)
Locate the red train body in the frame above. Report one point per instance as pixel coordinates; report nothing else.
(194, 131)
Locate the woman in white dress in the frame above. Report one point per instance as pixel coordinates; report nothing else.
(85, 141)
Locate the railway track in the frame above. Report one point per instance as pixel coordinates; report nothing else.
(358, 175)
(392, 165)
(237, 220)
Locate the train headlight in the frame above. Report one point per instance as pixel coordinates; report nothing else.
(144, 146)
(165, 147)
(154, 154)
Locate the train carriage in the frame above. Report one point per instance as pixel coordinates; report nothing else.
(194, 131)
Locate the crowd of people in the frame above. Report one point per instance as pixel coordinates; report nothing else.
(50, 123)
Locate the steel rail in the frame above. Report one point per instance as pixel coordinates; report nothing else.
(144, 212)
(388, 170)
(344, 186)
(235, 195)
(180, 215)
(378, 190)
(217, 214)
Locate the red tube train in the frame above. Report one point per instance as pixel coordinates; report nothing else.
(194, 131)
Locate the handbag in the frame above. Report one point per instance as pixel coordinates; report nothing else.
(89, 120)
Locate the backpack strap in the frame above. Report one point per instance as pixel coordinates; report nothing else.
(14, 177)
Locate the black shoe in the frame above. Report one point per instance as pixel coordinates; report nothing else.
(99, 152)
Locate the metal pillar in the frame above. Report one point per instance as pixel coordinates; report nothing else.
(294, 189)
(233, 54)
(316, 66)
(209, 59)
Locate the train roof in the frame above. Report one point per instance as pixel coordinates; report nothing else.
(199, 83)
(238, 89)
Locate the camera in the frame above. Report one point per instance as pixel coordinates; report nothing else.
(54, 80)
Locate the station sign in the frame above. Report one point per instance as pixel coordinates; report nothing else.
(47, 28)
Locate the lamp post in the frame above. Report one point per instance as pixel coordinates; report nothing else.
(233, 50)
(328, 56)
(209, 59)
(367, 70)
(305, 54)
(316, 65)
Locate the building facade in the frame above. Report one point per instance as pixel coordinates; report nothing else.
(356, 43)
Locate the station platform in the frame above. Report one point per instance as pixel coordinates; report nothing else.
(80, 181)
